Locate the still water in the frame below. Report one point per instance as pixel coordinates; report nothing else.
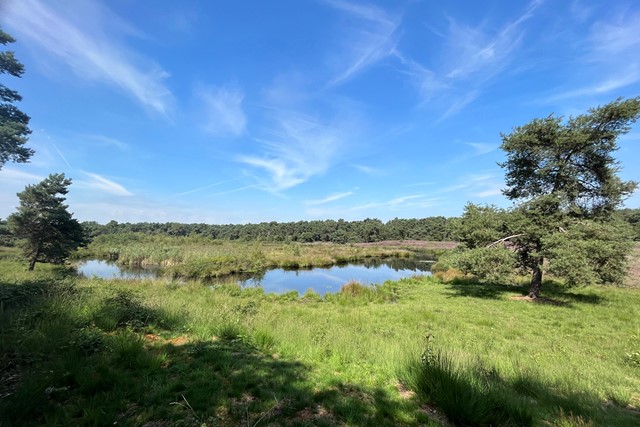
(110, 270)
(321, 280)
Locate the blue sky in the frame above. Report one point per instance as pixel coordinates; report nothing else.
(249, 111)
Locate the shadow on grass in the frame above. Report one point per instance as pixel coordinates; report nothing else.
(476, 394)
(553, 293)
(126, 363)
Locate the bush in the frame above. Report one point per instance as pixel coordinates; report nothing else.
(491, 265)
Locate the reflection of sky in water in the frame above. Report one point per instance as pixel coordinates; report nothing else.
(321, 280)
(109, 270)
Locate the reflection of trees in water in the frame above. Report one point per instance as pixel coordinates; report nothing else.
(397, 264)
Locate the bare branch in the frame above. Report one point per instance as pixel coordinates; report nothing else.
(504, 239)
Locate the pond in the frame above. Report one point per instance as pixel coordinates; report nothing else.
(321, 280)
(110, 270)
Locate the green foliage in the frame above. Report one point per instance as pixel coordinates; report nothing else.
(489, 265)
(573, 160)
(589, 252)
(14, 123)
(125, 309)
(340, 232)
(49, 232)
(564, 178)
(481, 225)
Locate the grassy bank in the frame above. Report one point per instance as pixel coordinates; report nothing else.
(204, 258)
(414, 352)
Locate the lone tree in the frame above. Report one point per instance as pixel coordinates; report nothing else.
(564, 180)
(50, 233)
(13, 122)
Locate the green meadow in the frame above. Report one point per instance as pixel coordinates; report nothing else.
(420, 351)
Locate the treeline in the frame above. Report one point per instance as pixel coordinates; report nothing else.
(436, 228)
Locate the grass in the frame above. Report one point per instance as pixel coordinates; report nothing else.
(96, 352)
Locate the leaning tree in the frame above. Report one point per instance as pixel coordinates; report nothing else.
(563, 179)
(48, 230)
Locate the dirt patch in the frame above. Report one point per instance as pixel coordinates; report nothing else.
(313, 416)
(177, 341)
(435, 415)
(404, 392)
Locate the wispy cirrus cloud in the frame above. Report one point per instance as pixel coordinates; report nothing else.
(369, 170)
(328, 199)
(471, 57)
(299, 148)
(482, 185)
(101, 183)
(611, 60)
(480, 148)
(402, 202)
(105, 141)
(372, 40)
(478, 53)
(223, 114)
(86, 44)
(15, 175)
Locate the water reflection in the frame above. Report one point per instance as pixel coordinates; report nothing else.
(321, 280)
(331, 279)
(110, 270)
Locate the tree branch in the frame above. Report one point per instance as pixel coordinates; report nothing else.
(504, 239)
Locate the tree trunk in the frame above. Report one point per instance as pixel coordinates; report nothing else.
(536, 279)
(32, 263)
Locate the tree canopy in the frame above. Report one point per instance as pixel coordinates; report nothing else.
(14, 128)
(563, 177)
(49, 231)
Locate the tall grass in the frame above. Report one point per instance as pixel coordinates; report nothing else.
(468, 393)
(199, 257)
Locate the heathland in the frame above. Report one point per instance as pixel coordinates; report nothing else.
(427, 350)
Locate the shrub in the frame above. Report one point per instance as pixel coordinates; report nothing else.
(493, 265)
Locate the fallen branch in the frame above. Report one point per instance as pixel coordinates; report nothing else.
(504, 239)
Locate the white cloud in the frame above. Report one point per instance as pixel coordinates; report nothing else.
(300, 147)
(90, 52)
(615, 37)
(205, 187)
(481, 148)
(223, 113)
(371, 41)
(328, 199)
(369, 170)
(403, 202)
(496, 191)
(471, 57)
(611, 58)
(106, 141)
(13, 181)
(15, 175)
(99, 182)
